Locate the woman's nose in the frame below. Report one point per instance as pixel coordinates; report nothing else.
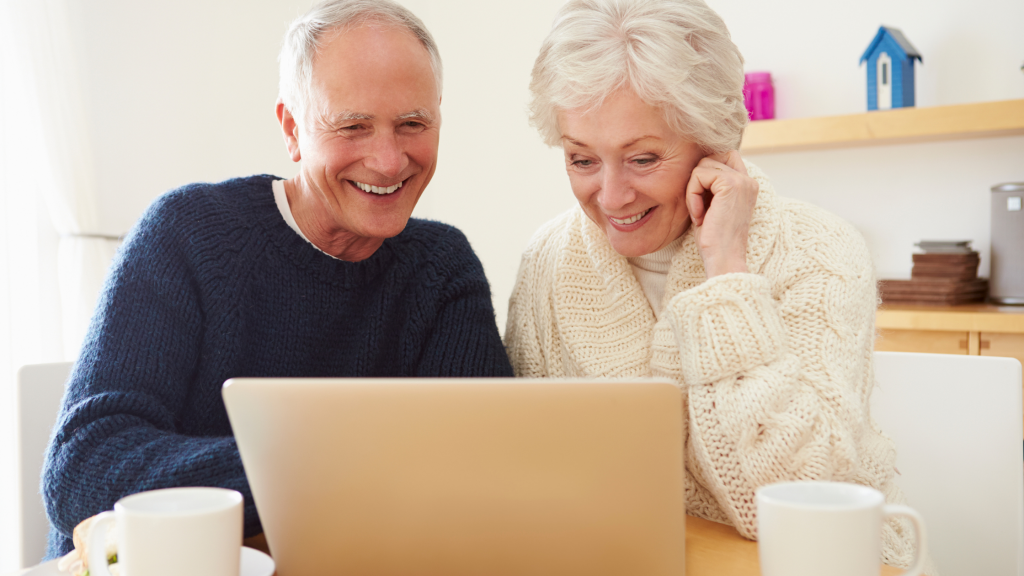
(616, 192)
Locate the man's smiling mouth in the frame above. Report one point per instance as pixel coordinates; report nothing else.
(379, 190)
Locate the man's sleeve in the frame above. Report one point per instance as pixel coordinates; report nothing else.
(464, 339)
(119, 428)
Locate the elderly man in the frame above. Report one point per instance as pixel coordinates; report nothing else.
(321, 275)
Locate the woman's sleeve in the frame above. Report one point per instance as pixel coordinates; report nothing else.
(777, 381)
(118, 430)
(522, 333)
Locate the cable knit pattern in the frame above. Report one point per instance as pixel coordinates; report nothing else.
(212, 284)
(775, 364)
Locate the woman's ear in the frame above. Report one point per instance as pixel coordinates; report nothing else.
(289, 129)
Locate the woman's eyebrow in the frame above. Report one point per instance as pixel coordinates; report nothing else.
(576, 142)
(635, 140)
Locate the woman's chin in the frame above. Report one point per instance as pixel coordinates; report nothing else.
(630, 247)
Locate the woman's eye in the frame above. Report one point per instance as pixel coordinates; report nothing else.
(645, 161)
(582, 163)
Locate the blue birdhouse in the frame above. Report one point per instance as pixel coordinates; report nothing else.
(890, 58)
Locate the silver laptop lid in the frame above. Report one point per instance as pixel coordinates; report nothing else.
(465, 476)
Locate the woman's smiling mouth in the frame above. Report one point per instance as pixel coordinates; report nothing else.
(631, 219)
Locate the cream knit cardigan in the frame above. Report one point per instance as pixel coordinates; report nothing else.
(775, 364)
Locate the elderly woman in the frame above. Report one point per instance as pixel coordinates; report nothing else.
(682, 262)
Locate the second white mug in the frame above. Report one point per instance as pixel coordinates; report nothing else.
(815, 528)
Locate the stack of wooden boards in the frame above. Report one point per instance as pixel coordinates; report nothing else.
(947, 274)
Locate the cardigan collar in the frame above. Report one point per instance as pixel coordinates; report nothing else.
(605, 321)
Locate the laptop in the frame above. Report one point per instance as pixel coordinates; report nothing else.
(460, 477)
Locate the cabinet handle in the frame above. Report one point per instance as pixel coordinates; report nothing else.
(986, 344)
(963, 344)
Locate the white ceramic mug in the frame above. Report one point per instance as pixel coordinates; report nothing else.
(170, 532)
(834, 528)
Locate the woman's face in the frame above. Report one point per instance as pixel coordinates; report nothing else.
(629, 171)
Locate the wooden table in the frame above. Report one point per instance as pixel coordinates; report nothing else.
(712, 549)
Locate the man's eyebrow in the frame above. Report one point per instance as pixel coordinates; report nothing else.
(345, 116)
(339, 118)
(418, 114)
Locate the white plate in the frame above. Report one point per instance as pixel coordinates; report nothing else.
(254, 563)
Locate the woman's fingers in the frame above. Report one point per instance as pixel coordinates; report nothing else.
(733, 160)
(701, 180)
(715, 174)
(720, 196)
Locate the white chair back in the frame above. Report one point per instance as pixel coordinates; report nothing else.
(40, 388)
(956, 421)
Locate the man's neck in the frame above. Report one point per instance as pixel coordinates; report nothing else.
(313, 216)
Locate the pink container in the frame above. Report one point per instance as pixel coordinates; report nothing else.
(759, 96)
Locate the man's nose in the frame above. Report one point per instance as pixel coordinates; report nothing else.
(386, 156)
(616, 191)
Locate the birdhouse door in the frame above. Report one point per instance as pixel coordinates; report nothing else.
(884, 81)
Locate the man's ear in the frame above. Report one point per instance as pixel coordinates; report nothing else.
(290, 130)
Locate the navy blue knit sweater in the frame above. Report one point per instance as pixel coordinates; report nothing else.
(212, 284)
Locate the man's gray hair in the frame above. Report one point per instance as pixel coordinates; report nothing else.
(308, 32)
(675, 54)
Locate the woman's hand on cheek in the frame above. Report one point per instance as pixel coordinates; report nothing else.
(720, 197)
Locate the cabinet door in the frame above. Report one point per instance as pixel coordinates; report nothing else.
(929, 341)
(999, 344)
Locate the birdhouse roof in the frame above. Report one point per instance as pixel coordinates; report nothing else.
(908, 49)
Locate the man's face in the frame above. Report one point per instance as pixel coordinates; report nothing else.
(369, 143)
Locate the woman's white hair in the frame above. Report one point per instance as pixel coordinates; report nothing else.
(308, 33)
(674, 54)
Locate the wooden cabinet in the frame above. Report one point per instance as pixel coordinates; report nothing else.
(977, 329)
(929, 341)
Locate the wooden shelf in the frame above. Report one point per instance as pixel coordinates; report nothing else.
(902, 125)
(966, 317)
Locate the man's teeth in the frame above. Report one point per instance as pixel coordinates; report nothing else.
(377, 189)
(631, 219)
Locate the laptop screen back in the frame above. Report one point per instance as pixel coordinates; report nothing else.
(464, 477)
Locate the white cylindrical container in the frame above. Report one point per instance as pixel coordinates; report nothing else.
(1006, 279)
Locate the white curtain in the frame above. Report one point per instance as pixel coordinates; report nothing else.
(23, 291)
(68, 181)
(47, 204)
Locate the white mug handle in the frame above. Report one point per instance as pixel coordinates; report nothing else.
(888, 511)
(97, 544)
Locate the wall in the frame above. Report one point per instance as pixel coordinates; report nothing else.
(896, 195)
(183, 91)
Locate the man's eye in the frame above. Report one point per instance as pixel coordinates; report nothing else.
(645, 161)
